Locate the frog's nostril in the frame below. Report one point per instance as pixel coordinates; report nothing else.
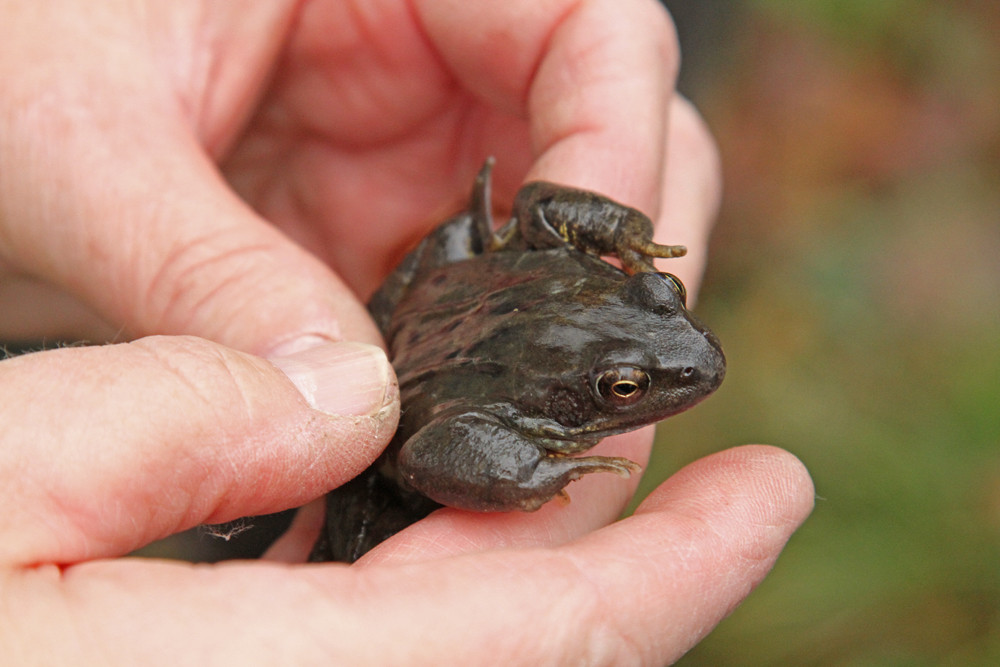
(687, 372)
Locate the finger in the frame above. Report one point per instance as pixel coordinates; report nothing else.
(640, 592)
(108, 193)
(296, 543)
(692, 188)
(104, 449)
(599, 102)
(593, 79)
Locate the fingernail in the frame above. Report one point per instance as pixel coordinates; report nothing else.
(339, 378)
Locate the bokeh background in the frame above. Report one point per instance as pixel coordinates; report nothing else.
(855, 284)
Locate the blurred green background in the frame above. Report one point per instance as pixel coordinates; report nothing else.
(855, 284)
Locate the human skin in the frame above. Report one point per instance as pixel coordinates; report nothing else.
(224, 183)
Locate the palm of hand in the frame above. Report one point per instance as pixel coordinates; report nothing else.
(364, 124)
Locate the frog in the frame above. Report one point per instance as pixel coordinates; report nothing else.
(517, 349)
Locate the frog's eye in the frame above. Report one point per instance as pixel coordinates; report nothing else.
(679, 286)
(622, 386)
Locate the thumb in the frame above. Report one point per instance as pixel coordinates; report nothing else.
(113, 447)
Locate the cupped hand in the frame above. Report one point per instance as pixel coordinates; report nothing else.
(640, 591)
(352, 127)
(246, 173)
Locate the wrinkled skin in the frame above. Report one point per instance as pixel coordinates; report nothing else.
(515, 351)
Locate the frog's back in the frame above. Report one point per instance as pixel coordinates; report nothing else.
(451, 312)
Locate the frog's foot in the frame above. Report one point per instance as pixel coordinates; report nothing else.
(550, 215)
(633, 243)
(579, 466)
(474, 462)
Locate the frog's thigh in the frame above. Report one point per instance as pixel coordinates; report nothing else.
(474, 462)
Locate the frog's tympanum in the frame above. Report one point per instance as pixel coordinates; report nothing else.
(517, 350)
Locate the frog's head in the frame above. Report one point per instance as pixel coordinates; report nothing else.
(667, 363)
(613, 361)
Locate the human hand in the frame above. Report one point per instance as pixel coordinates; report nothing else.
(112, 212)
(78, 493)
(329, 117)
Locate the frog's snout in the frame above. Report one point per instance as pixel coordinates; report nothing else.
(702, 372)
(713, 370)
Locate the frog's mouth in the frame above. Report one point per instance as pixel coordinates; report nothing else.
(569, 440)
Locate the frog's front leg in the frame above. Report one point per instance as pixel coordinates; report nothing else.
(550, 215)
(472, 461)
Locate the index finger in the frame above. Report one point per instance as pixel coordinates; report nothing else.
(594, 79)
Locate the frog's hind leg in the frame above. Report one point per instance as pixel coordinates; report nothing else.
(364, 512)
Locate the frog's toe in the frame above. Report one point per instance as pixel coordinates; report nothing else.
(574, 468)
(636, 256)
(653, 249)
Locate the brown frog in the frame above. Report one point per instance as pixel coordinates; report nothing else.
(517, 350)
